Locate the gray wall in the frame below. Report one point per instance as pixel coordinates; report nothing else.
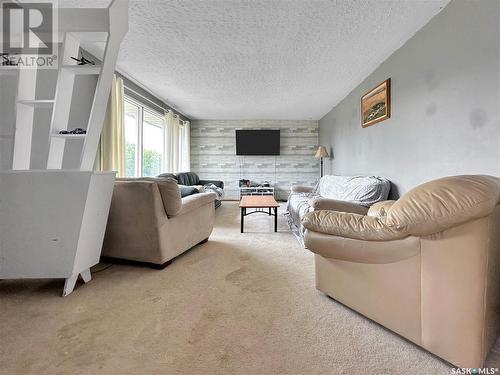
(8, 91)
(213, 154)
(445, 104)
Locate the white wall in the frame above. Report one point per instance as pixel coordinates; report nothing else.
(445, 104)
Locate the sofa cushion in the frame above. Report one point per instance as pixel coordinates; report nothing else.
(440, 204)
(188, 190)
(188, 178)
(364, 190)
(168, 175)
(170, 195)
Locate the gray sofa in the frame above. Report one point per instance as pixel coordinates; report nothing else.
(338, 193)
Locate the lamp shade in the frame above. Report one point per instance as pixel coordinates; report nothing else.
(321, 152)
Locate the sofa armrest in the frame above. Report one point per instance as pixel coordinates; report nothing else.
(349, 225)
(218, 183)
(195, 201)
(301, 189)
(320, 203)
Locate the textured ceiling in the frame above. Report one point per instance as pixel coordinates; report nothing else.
(262, 59)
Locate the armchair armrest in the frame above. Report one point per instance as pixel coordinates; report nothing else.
(218, 183)
(320, 203)
(349, 225)
(195, 201)
(301, 189)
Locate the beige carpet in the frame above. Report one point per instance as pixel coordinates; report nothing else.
(239, 304)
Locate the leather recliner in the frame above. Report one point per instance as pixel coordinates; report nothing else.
(424, 266)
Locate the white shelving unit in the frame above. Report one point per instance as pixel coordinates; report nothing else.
(52, 220)
(256, 190)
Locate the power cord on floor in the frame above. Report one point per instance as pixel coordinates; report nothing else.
(103, 269)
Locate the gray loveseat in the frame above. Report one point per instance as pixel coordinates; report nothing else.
(353, 194)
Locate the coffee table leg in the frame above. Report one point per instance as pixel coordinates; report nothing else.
(275, 219)
(242, 218)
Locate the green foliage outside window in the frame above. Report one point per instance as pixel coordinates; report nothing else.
(151, 161)
(130, 160)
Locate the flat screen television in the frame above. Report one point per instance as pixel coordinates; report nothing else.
(257, 142)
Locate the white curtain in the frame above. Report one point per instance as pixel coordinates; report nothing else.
(172, 142)
(111, 153)
(178, 144)
(185, 154)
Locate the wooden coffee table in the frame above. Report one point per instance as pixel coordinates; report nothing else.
(260, 203)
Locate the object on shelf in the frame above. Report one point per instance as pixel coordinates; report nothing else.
(83, 61)
(249, 183)
(74, 131)
(252, 184)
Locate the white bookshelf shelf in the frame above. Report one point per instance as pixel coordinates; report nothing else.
(83, 69)
(37, 103)
(69, 136)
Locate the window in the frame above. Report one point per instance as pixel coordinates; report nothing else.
(131, 139)
(153, 151)
(144, 140)
(154, 143)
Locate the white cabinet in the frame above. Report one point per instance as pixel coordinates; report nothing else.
(52, 220)
(52, 223)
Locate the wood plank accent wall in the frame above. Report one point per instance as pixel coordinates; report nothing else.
(213, 154)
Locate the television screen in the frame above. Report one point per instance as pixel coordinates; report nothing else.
(257, 142)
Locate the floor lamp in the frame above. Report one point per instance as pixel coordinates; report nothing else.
(320, 154)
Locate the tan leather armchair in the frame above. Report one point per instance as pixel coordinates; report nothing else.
(149, 222)
(424, 266)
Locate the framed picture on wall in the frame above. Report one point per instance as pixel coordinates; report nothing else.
(376, 104)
